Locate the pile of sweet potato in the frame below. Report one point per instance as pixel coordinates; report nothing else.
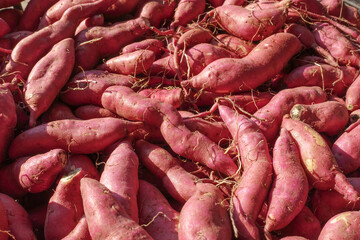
(179, 119)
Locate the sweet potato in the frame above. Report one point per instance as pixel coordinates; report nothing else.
(105, 216)
(216, 3)
(187, 11)
(33, 12)
(318, 161)
(120, 175)
(25, 55)
(238, 45)
(18, 219)
(12, 17)
(132, 63)
(329, 117)
(332, 79)
(342, 226)
(80, 232)
(180, 184)
(326, 204)
(233, 2)
(51, 73)
(64, 206)
(91, 111)
(305, 224)
(229, 75)
(251, 25)
(269, 117)
(248, 197)
(87, 87)
(95, 43)
(151, 44)
(346, 150)
(4, 225)
(96, 20)
(251, 142)
(173, 96)
(156, 11)
(8, 119)
(352, 96)
(160, 220)
(339, 8)
(57, 111)
(130, 105)
(290, 187)
(204, 215)
(334, 41)
(72, 136)
(32, 174)
(4, 27)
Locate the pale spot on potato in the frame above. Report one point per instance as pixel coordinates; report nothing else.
(310, 164)
(319, 140)
(342, 217)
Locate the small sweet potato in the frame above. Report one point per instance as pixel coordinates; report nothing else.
(329, 117)
(91, 111)
(132, 63)
(187, 11)
(160, 220)
(205, 215)
(32, 174)
(156, 11)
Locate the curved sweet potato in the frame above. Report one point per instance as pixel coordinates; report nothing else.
(229, 75)
(187, 11)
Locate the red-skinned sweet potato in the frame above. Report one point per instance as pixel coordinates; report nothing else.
(12, 17)
(342, 226)
(70, 136)
(329, 117)
(332, 79)
(173, 96)
(33, 12)
(156, 11)
(305, 224)
(318, 161)
(179, 183)
(151, 44)
(80, 232)
(18, 219)
(160, 220)
(251, 25)
(266, 60)
(87, 87)
(96, 20)
(204, 215)
(132, 63)
(187, 11)
(32, 174)
(57, 111)
(120, 175)
(238, 45)
(4, 225)
(91, 111)
(8, 119)
(352, 96)
(105, 216)
(51, 73)
(64, 206)
(290, 187)
(251, 142)
(326, 204)
(82, 162)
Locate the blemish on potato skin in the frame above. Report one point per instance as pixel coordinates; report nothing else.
(310, 164)
(318, 139)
